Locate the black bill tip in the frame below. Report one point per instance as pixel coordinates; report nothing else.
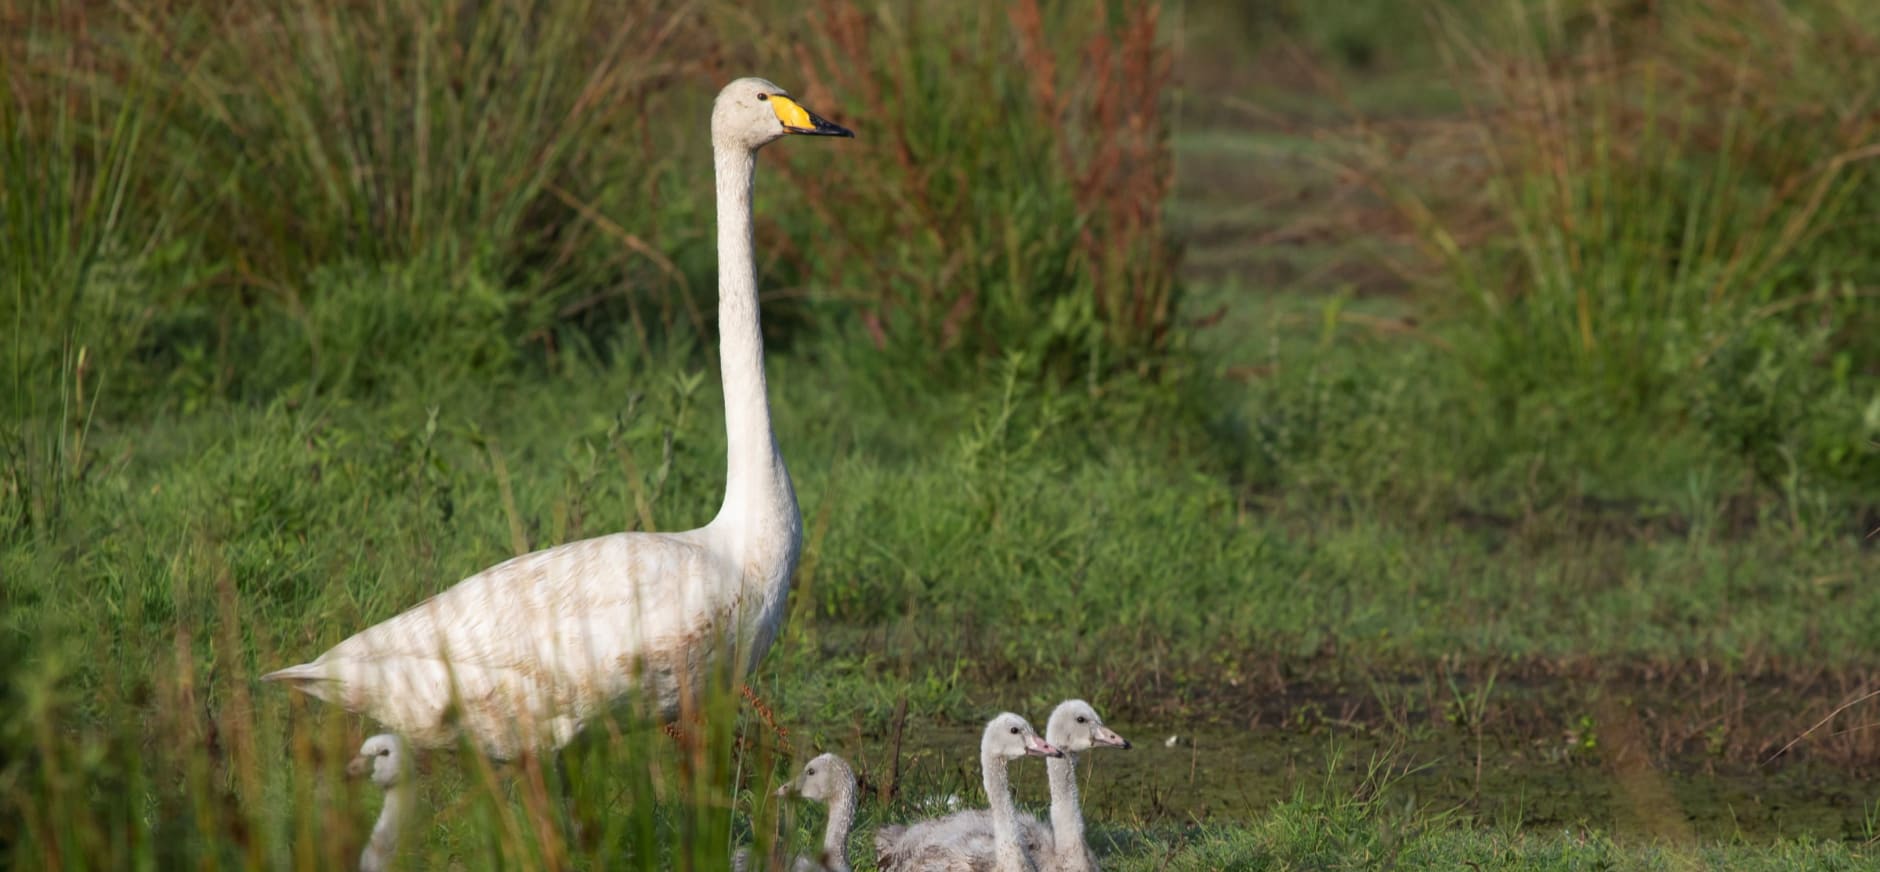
(820, 126)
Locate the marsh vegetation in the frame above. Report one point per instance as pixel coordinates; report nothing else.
(1459, 428)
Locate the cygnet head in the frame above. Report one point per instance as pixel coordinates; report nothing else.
(1009, 736)
(823, 779)
(751, 113)
(1074, 727)
(384, 757)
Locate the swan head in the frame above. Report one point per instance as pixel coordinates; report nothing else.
(1074, 727)
(823, 779)
(1011, 737)
(383, 757)
(751, 113)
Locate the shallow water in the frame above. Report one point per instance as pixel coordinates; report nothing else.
(1225, 774)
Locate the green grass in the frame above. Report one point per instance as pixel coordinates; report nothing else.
(1085, 550)
(1583, 476)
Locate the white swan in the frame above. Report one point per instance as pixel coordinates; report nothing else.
(1057, 846)
(827, 779)
(388, 761)
(516, 657)
(1073, 727)
(943, 844)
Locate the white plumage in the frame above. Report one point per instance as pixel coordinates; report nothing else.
(1057, 845)
(829, 780)
(388, 761)
(520, 655)
(957, 842)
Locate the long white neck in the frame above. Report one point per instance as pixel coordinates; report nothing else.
(757, 487)
(1067, 816)
(383, 845)
(835, 856)
(1009, 855)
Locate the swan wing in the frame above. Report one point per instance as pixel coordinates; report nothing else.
(535, 643)
(965, 836)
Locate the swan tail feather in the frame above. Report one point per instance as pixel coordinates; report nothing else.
(300, 676)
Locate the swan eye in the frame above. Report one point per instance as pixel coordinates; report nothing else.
(385, 752)
(810, 771)
(1082, 720)
(764, 97)
(1014, 731)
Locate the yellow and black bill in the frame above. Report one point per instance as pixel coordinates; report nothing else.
(797, 119)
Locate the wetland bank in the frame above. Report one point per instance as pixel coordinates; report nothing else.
(1203, 769)
(1461, 434)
